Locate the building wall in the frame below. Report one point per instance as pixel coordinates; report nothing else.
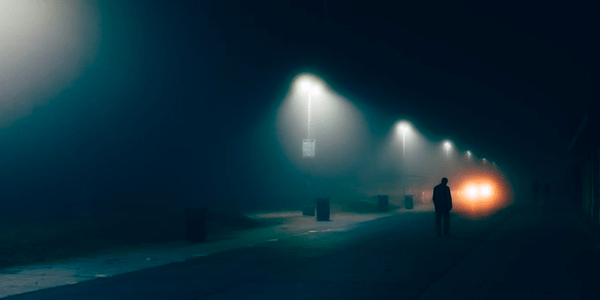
(589, 160)
(584, 155)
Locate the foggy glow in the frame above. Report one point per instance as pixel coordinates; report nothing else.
(472, 191)
(404, 127)
(354, 164)
(310, 84)
(44, 47)
(447, 145)
(338, 127)
(486, 190)
(481, 192)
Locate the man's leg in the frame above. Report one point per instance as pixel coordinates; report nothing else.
(438, 222)
(447, 222)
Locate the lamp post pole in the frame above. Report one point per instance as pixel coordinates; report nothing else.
(309, 103)
(404, 144)
(309, 177)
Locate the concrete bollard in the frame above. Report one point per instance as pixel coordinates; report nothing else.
(382, 202)
(323, 209)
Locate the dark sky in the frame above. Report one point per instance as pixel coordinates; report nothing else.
(174, 89)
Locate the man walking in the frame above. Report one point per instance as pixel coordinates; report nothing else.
(442, 200)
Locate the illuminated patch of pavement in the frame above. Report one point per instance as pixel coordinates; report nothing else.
(328, 230)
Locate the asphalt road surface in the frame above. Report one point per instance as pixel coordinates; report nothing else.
(519, 253)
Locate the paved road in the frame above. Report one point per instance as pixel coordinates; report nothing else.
(522, 253)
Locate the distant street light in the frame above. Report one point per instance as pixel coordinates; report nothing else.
(469, 154)
(447, 147)
(404, 128)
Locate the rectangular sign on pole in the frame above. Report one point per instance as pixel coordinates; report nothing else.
(308, 147)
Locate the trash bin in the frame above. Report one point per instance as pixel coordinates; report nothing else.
(408, 202)
(382, 202)
(323, 209)
(195, 224)
(308, 210)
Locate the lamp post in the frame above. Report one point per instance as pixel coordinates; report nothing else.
(447, 147)
(310, 85)
(404, 127)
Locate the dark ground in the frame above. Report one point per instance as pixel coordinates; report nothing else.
(26, 241)
(522, 253)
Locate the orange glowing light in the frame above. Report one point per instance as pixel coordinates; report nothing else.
(486, 190)
(472, 191)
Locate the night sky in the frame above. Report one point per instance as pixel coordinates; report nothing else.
(170, 98)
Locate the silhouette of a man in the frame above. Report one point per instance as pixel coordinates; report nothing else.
(442, 200)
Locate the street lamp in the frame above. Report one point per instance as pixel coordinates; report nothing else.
(404, 128)
(447, 147)
(309, 84)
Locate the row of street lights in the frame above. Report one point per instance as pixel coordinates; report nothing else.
(404, 127)
(312, 86)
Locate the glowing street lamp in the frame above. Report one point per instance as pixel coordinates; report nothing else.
(447, 147)
(309, 84)
(404, 128)
(469, 154)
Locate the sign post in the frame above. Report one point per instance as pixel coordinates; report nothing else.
(308, 148)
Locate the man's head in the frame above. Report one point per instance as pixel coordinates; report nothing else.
(444, 181)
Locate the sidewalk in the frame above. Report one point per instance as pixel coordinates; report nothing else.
(28, 278)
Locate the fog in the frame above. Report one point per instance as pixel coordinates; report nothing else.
(106, 109)
(354, 160)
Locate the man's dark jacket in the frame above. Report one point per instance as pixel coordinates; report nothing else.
(442, 199)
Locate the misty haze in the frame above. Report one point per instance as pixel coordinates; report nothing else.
(314, 149)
